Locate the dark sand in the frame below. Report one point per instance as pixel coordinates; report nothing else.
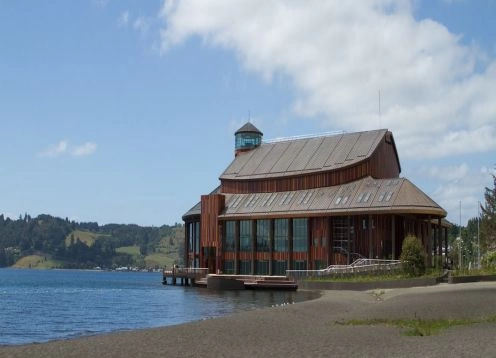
(308, 329)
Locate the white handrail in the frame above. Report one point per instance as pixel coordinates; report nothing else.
(358, 266)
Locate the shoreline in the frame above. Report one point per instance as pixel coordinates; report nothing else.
(309, 328)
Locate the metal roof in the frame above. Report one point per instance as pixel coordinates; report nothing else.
(248, 127)
(302, 156)
(368, 195)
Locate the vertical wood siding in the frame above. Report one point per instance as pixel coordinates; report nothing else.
(383, 163)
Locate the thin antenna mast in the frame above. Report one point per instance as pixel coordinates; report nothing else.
(379, 103)
(380, 116)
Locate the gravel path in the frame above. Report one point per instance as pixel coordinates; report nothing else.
(308, 329)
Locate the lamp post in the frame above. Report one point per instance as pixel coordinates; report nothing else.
(478, 236)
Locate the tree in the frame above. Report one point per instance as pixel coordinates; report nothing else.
(488, 219)
(469, 239)
(413, 256)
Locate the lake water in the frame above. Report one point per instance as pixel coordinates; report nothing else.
(43, 305)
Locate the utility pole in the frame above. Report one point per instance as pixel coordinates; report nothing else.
(461, 241)
(478, 236)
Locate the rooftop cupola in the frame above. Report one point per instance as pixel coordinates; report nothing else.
(248, 137)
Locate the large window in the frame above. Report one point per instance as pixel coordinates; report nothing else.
(194, 237)
(197, 237)
(245, 267)
(299, 265)
(300, 235)
(245, 236)
(263, 232)
(262, 267)
(230, 236)
(279, 267)
(247, 140)
(281, 235)
(229, 267)
(191, 237)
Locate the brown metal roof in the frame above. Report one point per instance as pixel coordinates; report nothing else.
(248, 127)
(302, 156)
(366, 195)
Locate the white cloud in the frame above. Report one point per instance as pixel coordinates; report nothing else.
(85, 149)
(449, 173)
(141, 25)
(459, 184)
(56, 150)
(63, 147)
(438, 96)
(123, 19)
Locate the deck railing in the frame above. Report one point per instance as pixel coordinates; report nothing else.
(189, 272)
(360, 266)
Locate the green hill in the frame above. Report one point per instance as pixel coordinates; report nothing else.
(39, 261)
(85, 237)
(47, 241)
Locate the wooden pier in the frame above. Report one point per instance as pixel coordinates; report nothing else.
(186, 276)
(200, 277)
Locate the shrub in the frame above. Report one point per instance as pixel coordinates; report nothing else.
(413, 256)
(491, 259)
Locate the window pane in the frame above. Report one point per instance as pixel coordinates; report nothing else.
(245, 267)
(281, 235)
(230, 236)
(229, 267)
(245, 237)
(279, 267)
(300, 235)
(263, 229)
(197, 238)
(262, 267)
(299, 265)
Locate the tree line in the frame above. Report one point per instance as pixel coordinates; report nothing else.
(47, 234)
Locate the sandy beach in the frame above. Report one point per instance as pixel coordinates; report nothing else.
(308, 329)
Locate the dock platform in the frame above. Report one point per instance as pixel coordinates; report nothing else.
(185, 275)
(199, 277)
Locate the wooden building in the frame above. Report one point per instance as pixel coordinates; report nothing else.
(307, 203)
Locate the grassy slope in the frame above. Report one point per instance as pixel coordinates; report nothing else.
(166, 254)
(159, 258)
(39, 261)
(86, 237)
(130, 250)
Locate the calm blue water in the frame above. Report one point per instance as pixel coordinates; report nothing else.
(38, 306)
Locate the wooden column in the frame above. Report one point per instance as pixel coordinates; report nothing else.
(393, 237)
(186, 244)
(440, 247)
(431, 242)
(220, 250)
(290, 244)
(446, 244)
(271, 245)
(236, 247)
(329, 242)
(371, 250)
(348, 248)
(253, 244)
(310, 258)
(440, 235)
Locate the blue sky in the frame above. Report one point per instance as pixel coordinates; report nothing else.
(124, 111)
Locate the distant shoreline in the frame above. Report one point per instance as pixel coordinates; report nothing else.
(309, 328)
